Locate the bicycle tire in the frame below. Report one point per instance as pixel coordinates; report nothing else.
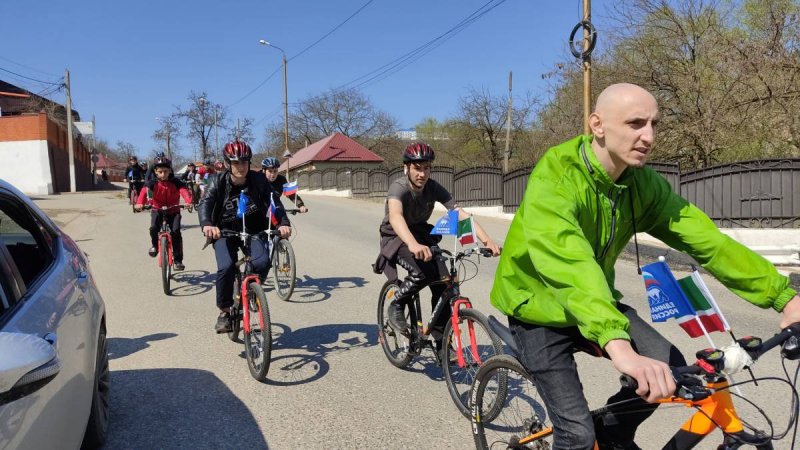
(163, 250)
(283, 269)
(391, 343)
(258, 341)
(132, 198)
(459, 380)
(522, 414)
(236, 319)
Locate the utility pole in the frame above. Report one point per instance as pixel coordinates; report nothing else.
(70, 148)
(169, 131)
(507, 153)
(286, 151)
(587, 67)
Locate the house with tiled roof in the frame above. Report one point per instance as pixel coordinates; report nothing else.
(334, 151)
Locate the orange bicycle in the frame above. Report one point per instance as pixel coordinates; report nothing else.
(523, 423)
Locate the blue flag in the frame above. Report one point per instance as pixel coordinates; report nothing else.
(666, 298)
(447, 224)
(243, 201)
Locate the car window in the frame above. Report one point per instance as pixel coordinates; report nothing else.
(25, 240)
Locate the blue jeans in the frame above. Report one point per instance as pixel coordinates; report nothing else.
(546, 354)
(226, 251)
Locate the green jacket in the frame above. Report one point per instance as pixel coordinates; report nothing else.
(557, 266)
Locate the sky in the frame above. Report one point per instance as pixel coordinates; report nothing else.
(132, 62)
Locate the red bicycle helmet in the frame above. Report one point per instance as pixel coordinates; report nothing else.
(418, 152)
(162, 161)
(237, 151)
(218, 166)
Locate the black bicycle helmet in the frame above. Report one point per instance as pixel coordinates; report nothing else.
(270, 163)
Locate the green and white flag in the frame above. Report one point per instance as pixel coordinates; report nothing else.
(466, 232)
(703, 302)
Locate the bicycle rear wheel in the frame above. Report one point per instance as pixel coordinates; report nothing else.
(283, 269)
(166, 268)
(395, 345)
(257, 341)
(459, 379)
(522, 421)
(236, 310)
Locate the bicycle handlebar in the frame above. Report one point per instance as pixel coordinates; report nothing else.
(240, 234)
(689, 387)
(484, 251)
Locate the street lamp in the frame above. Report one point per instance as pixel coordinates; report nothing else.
(286, 153)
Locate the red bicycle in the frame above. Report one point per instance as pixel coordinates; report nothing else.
(467, 340)
(164, 257)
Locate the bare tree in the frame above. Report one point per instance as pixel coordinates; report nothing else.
(168, 132)
(200, 120)
(481, 121)
(243, 130)
(125, 148)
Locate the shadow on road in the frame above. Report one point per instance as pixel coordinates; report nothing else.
(299, 356)
(313, 290)
(178, 409)
(122, 347)
(194, 282)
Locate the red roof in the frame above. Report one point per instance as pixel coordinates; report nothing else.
(336, 147)
(104, 162)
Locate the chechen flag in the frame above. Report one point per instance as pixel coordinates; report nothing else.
(466, 232)
(703, 303)
(290, 188)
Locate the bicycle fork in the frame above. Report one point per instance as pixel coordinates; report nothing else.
(245, 303)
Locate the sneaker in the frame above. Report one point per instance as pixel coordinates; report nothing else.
(178, 265)
(152, 252)
(397, 316)
(453, 359)
(223, 324)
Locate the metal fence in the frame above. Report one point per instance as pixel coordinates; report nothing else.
(750, 194)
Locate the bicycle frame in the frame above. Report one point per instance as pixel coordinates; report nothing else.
(165, 232)
(456, 302)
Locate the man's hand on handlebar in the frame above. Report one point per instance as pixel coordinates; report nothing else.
(303, 209)
(492, 245)
(285, 231)
(138, 207)
(211, 232)
(422, 252)
(189, 207)
(654, 378)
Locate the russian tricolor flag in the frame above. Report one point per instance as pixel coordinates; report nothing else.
(290, 188)
(273, 212)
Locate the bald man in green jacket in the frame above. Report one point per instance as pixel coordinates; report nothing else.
(555, 281)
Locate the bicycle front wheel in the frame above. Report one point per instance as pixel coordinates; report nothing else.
(395, 345)
(284, 269)
(522, 421)
(166, 269)
(478, 344)
(257, 341)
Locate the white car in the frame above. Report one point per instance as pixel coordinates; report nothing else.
(54, 377)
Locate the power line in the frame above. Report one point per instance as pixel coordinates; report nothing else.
(388, 69)
(331, 32)
(29, 78)
(300, 53)
(27, 67)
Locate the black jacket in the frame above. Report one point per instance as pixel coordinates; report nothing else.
(218, 189)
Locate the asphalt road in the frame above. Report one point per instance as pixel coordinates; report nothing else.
(177, 384)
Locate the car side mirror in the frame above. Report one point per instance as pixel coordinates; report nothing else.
(27, 362)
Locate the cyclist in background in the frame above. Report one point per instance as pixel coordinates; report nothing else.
(134, 175)
(584, 201)
(218, 211)
(270, 168)
(166, 191)
(206, 170)
(406, 239)
(190, 179)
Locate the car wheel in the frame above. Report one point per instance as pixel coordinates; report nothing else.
(97, 428)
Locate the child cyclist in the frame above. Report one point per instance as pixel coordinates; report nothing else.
(270, 168)
(167, 191)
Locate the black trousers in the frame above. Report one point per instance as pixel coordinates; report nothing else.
(546, 354)
(421, 274)
(174, 222)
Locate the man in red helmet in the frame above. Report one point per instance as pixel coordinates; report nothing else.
(405, 233)
(218, 210)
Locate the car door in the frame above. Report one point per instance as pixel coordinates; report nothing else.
(46, 298)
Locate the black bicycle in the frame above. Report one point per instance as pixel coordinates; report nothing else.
(467, 339)
(284, 270)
